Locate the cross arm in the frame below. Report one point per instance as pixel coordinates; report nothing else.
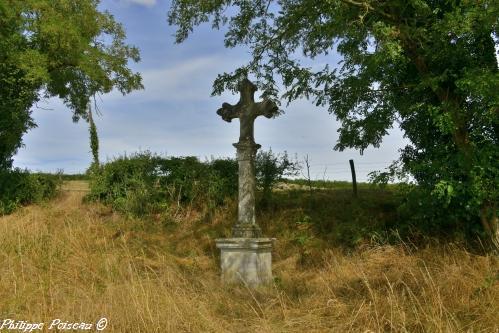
(266, 108)
(228, 112)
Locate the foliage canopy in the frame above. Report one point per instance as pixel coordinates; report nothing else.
(64, 48)
(429, 66)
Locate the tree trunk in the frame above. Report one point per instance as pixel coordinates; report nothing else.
(490, 223)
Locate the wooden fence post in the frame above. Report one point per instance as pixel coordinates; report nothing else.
(354, 178)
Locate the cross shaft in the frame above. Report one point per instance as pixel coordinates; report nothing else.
(247, 111)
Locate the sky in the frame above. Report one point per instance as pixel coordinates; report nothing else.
(176, 116)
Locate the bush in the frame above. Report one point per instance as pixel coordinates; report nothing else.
(270, 169)
(225, 178)
(144, 183)
(19, 187)
(147, 184)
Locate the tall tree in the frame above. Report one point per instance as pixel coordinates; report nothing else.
(428, 65)
(64, 48)
(94, 137)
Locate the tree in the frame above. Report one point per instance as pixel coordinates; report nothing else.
(63, 48)
(94, 138)
(429, 66)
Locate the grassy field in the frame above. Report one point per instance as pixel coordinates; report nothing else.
(80, 261)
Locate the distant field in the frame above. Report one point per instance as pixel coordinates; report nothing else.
(75, 185)
(74, 177)
(330, 184)
(81, 261)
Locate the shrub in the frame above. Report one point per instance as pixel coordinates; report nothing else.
(270, 169)
(144, 183)
(225, 178)
(19, 187)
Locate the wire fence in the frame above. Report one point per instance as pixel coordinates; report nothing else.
(339, 170)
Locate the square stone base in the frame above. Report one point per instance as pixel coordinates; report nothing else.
(246, 260)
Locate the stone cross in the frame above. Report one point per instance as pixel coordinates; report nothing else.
(247, 111)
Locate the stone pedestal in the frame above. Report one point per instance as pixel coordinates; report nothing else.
(246, 260)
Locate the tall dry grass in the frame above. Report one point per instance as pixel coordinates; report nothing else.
(80, 262)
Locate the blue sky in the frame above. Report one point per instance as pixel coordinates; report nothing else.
(175, 114)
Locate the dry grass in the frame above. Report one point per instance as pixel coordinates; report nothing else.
(81, 262)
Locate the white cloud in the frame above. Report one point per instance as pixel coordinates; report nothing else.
(147, 3)
(189, 80)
